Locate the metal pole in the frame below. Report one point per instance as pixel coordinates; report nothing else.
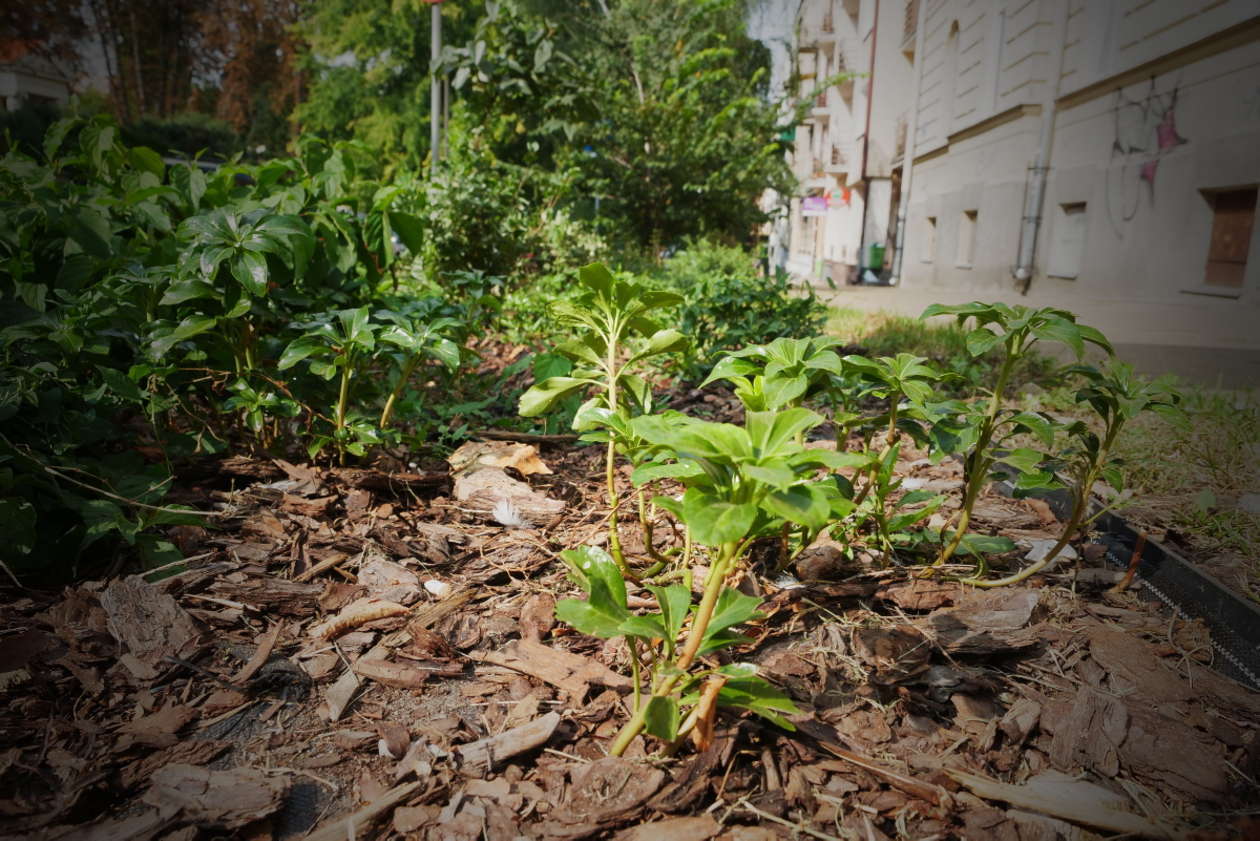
(435, 84)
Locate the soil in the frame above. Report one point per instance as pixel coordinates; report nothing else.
(365, 654)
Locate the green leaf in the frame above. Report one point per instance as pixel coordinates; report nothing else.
(299, 349)
(542, 396)
(597, 277)
(651, 471)
(191, 326)
(674, 601)
(649, 626)
(759, 697)
(661, 718)
(714, 521)
(142, 157)
(981, 340)
(603, 611)
(250, 270)
(732, 608)
(806, 505)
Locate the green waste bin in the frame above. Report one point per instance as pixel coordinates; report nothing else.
(875, 256)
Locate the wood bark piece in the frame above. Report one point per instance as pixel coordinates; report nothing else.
(699, 828)
(266, 643)
(347, 827)
(488, 490)
(563, 669)
(274, 595)
(985, 622)
(480, 757)
(148, 621)
(607, 790)
(231, 798)
(1060, 796)
(472, 455)
(358, 612)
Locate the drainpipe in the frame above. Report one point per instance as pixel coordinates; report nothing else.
(866, 146)
(1024, 265)
(435, 84)
(907, 157)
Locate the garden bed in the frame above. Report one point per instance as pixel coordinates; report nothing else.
(167, 707)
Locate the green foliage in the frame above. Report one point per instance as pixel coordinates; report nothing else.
(728, 305)
(191, 134)
(180, 301)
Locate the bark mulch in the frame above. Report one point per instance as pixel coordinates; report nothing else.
(351, 653)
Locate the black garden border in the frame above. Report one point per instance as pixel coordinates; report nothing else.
(1232, 621)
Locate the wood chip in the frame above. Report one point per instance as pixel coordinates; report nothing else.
(480, 757)
(146, 620)
(231, 798)
(357, 613)
(570, 672)
(1060, 796)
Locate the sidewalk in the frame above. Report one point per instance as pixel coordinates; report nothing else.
(1161, 339)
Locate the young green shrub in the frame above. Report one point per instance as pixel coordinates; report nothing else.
(1015, 329)
(616, 334)
(1117, 396)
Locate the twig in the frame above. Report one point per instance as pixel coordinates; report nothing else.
(1134, 560)
(766, 816)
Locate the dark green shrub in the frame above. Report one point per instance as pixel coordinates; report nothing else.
(728, 304)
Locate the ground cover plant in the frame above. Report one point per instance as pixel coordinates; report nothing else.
(759, 481)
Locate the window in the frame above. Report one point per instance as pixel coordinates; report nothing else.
(967, 238)
(1067, 246)
(1233, 217)
(928, 252)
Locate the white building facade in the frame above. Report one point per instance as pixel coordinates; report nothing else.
(1103, 156)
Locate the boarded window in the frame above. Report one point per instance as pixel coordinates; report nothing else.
(1067, 246)
(1233, 217)
(927, 252)
(967, 224)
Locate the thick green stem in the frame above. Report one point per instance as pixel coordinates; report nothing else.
(1079, 510)
(978, 464)
(343, 399)
(388, 411)
(695, 637)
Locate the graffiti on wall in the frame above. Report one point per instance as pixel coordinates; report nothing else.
(1145, 131)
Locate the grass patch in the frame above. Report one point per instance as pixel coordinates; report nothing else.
(886, 334)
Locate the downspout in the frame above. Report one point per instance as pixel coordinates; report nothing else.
(866, 146)
(435, 84)
(907, 157)
(1024, 265)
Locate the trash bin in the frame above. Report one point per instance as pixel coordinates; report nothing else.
(875, 256)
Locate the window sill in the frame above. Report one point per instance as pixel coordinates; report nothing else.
(1211, 292)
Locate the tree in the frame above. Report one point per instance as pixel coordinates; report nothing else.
(252, 46)
(661, 106)
(367, 63)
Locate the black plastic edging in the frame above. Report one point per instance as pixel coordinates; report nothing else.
(1232, 621)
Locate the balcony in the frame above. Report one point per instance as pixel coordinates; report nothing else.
(838, 163)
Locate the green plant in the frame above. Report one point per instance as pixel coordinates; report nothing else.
(985, 424)
(418, 339)
(729, 305)
(741, 483)
(1117, 396)
(660, 661)
(337, 344)
(613, 315)
(780, 374)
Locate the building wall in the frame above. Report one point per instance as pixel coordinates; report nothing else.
(1157, 107)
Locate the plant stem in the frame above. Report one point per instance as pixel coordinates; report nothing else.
(1079, 509)
(388, 411)
(695, 637)
(978, 465)
(343, 398)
